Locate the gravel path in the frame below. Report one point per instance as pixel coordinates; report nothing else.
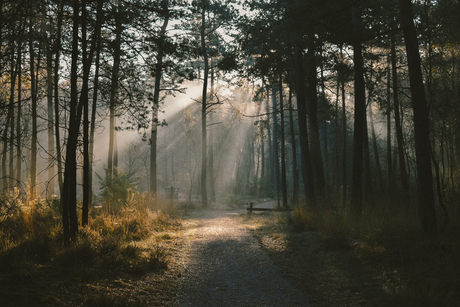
(227, 267)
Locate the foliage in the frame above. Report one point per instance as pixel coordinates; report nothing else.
(116, 190)
(387, 242)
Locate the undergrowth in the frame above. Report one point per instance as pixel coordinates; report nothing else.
(413, 268)
(130, 240)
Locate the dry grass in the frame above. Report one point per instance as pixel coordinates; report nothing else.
(134, 246)
(382, 259)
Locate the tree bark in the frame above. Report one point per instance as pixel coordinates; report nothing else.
(312, 99)
(13, 73)
(427, 212)
(307, 171)
(49, 96)
(295, 177)
(360, 107)
(112, 155)
(283, 149)
(204, 193)
(391, 175)
(375, 148)
(69, 195)
(345, 136)
(399, 132)
(19, 115)
(156, 101)
(211, 182)
(57, 47)
(33, 93)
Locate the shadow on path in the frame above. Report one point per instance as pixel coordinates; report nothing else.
(227, 267)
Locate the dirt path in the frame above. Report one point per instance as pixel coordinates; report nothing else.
(227, 267)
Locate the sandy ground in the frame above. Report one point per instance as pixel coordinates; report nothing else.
(227, 267)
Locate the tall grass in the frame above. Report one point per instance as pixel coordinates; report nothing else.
(414, 268)
(113, 239)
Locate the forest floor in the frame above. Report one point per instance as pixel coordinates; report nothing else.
(234, 258)
(375, 264)
(254, 259)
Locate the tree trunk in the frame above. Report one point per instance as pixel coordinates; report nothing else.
(345, 136)
(94, 109)
(312, 100)
(156, 101)
(399, 132)
(69, 193)
(367, 161)
(360, 107)
(13, 73)
(112, 157)
(56, 96)
(204, 193)
(33, 93)
(376, 149)
(211, 182)
(84, 98)
(307, 171)
(19, 115)
(391, 175)
(295, 179)
(283, 150)
(270, 170)
(49, 94)
(427, 212)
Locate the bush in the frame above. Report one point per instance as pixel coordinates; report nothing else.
(117, 189)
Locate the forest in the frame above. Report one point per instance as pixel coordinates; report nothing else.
(341, 106)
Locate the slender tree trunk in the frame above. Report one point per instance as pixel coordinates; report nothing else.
(211, 182)
(427, 212)
(276, 160)
(68, 199)
(307, 169)
(13, 74)
(93, 111)
(204, 193)
(312, 99)
(19, 115)
(399, 132)
(391, 175)
(337, 137)
(283, 149)
(360, 107)
(4, 153)
(33, 147)
(270, 170)
(112, 157)
(345, 136)
(57, 47)
(369, 191)
(295, 179)
(84, 98)
(376, 149)
(156, 101)
(49, 96)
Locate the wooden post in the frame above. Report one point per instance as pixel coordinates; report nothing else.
(250, 206)
(172, 196)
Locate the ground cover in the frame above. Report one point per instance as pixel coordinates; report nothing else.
(128, 258)
(372, 263)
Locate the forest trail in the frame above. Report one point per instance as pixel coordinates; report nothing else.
(226, 266)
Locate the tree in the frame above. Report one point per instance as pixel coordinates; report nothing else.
(156, 95)
(427, 212)
(360, 112)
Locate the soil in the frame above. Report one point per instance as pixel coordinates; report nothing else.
(235, 258)
(227, 266)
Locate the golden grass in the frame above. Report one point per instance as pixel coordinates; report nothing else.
(413, 268)
(136, 240)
